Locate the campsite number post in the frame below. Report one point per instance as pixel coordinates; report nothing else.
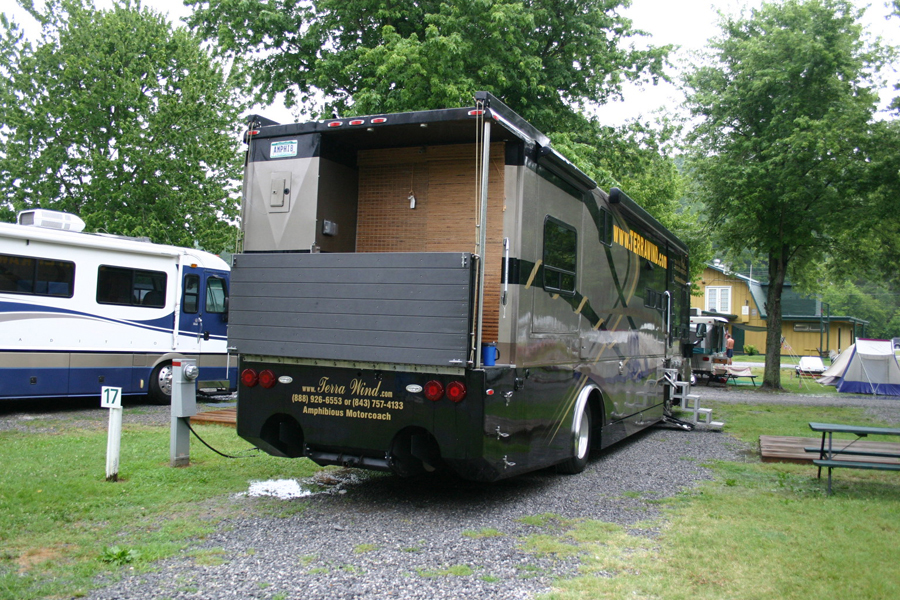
(111, 398)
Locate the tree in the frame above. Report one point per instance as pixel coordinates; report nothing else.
(547, 59)
(544, 58)
(877, 303)
(117, 117)
(786, 111)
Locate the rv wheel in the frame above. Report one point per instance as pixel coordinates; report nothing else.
(161, 384)
(581, 444)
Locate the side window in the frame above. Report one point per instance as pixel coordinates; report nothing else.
(132, 287)
(215, 295)
(191, 302)
(653, 299)
(560, 257)
(606, 224)
(39, 276)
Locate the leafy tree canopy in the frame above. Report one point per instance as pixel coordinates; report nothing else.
(542, 57)
(877, 303)
(782, 149)
(548, 59)
(117, 117)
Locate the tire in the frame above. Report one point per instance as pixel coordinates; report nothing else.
(161, 384)
(581, 444)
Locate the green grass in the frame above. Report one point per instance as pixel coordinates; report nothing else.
(365, 548)
(484, 532)
(789, 381)
(62, 523)
(759, 531)
(452, 571)
(749, 421)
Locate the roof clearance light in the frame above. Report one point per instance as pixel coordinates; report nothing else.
(335, 124)
(253, 132)
(249, 378)
(379, 120)
(456, 391)
(434, 391)
(357, 122)
(476, 113)
(267, 379)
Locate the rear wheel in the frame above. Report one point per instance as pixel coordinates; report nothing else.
(161, 384)
(581, 444)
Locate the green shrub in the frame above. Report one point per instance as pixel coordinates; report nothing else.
(750, 350)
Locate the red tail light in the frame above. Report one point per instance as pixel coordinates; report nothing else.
(456, 391)
(434, 391)
(267, 379)
(249, 378)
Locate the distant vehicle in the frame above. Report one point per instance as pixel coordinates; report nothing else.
(708, 340)
(81, 311)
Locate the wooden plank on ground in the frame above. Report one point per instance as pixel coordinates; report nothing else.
(774, 448)
(225, 416)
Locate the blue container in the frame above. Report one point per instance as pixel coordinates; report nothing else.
(489, 354)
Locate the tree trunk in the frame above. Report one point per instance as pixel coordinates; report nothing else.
(777, 270)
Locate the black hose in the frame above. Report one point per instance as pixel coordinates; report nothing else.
(188, 422)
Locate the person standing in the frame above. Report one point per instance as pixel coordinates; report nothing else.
(729, 347)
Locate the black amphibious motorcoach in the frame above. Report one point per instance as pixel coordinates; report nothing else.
(444, 289)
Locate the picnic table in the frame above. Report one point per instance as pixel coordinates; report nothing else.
(827, 455)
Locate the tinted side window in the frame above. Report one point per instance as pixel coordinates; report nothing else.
(40, 276)
(191, 302)
(119, 285)
(606, 225)
(215, 295)
(560, 256)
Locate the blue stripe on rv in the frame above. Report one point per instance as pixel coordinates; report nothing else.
(50, 382)
(162, 323)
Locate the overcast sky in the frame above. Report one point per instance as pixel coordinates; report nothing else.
(684, 23)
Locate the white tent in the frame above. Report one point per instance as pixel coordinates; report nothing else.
(866, 367)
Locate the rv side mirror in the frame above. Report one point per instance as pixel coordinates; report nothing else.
(701, 331)
(225, 312)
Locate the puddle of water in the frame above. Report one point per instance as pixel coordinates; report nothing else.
(284, 489)
(322, 482)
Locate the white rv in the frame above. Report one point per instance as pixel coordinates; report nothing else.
(708, 339)
(81, 311)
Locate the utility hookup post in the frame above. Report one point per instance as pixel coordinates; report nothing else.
(184, 406)
(111, 398)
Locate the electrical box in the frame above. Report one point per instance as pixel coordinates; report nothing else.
(184, 387)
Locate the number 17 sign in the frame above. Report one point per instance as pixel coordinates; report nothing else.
(110, 397)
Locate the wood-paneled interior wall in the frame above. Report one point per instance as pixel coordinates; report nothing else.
(443, 180)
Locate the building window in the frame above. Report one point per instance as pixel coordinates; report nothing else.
(718, 299)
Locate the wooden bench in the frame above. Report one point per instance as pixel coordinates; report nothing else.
(827, 455)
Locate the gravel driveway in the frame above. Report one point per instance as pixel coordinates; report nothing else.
(371, 536)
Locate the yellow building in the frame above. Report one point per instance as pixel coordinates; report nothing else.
(807, 327)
